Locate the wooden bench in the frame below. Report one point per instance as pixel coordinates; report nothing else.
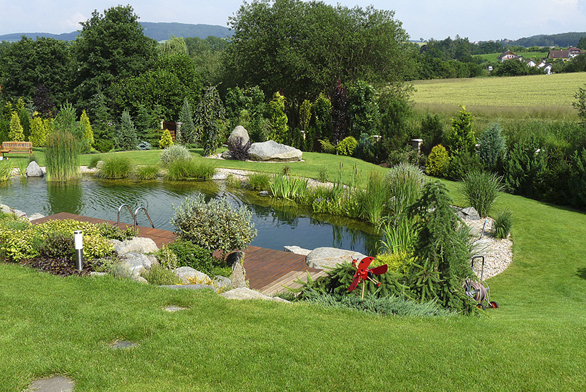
(10, 147)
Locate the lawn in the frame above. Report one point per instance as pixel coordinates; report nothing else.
(534, 342)
(534, 95)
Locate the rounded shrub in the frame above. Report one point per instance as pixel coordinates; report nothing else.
(174, 153)
(166, 140)
(214, 225)
(438, 161)
(347, 146)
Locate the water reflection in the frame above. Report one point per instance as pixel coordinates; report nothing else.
(279, 223)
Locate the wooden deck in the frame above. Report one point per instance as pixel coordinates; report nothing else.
(268, 271)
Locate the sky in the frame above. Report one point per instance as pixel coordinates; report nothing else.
(473, 19)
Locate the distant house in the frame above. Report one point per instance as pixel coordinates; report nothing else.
(507, 55)
(565, 54)
(531, 63)
(545, 66)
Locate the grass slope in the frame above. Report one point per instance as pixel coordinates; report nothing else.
(534, 342)
(532, 94)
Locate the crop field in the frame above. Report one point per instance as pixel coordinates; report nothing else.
(549, 94)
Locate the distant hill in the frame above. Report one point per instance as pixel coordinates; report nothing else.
(156, 31)
(562, 40)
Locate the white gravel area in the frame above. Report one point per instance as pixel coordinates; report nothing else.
(498, 254)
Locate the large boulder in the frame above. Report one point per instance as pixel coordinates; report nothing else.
(136, 245)
(238, 276)
(138, 262)
(191, 275)
(273, 151)
(322, 258)
(238, 139)
(34, 170)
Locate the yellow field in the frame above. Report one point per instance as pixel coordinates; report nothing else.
(552, 94)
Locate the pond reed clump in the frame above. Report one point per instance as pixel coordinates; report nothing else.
(116, 167)
(288, 187)
(62, 156)
(189, 169)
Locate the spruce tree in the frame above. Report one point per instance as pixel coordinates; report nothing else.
(142, 123)
(188, 133)
(126, 137)
(38, 135)
(279, 128)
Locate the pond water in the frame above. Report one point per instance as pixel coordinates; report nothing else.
(278, 223)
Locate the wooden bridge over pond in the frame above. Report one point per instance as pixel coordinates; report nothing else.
(268, 271)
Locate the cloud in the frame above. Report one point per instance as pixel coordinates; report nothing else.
(72, 23)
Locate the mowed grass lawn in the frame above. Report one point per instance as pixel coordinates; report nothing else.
(554, 93)
(534, 342)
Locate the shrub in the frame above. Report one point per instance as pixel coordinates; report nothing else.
(438, 161)
(481, 190)
(347, 146)
(259, 181)
(432, 132)
(16, 131)
(166, 139)
(191, 255)
(166, 257)
(461, 137)
(240, 150)
(181, 170)
(116, 166)
(276, 113)
(160, 275)
(405, 184)
(461, 164)
(215, 225)
(524, 165)
(104, 145)
(365, 148)
(492, 146)
(400, 262)
(174, 153)
(327, 147)
(502, 224)
(57, 246)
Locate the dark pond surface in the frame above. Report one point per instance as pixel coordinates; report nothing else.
(278, 223)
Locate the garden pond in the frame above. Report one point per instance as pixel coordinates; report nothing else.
(279, 223)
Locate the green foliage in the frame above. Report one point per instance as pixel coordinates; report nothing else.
(461, 138)
(259, 181)
(580, 104)
(327, 146)
(323, 174)
(502, 224)
(492, 146)
(189, 169)
(5, 170)
(438, 161)
(374, 200)
(346, 146)
(188, 131)
(406, 182)
(172, 46)
(160, 275)
(305, 114)
(278, 118)
(126, 136)
(62, 156)
(166, 257)
(365, 148)
(209, 115)
(215, 225)
(288, 187)
(174, 153)
(525, 163)
(481, 190)
(147, 172)
(87, 139)
(313, 44)
(16, 131)
(57, 246)
(432, 132)
(116, 166)
(4, 130)
(39, 132)
(110, 47)
(363, 109)
(462, 163)
(395, 111)
(400, 262)
(399, 235)
(65, 121)
(247, 107)
(194, 256)
(94, 162)
(166, 140)
(441, 250)
(322, 112)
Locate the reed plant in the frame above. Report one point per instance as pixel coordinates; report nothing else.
(22, 165)
(374, 200)
(94, 161)
(147, 172)
(259, 181)
(399, 234)
(116, 167)
(481, 190)
(288, 187)
(323, 174)
(5, 170)
(189, 169)
(405, 184)
(62, 156)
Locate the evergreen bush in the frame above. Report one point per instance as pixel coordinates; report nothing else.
(16, 131)
(214, 225)
(126, 138)
(438, 161)
(492, 146)
(347, 146)
(166, 140)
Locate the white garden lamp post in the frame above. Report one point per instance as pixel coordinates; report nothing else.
(78, 237)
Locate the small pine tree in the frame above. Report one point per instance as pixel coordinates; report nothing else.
(492, 146)
(322, 109)
(279, 128)
(87, 141)
(188, 133)
(166, 140)
(438, 161)
(142, 123)
(461, 139)
(39, 132)
(126, 137)
(441, 252)
(25, 122)
(16, 134)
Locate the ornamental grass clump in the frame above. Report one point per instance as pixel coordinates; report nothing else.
(147, 172)
(502, 224)
(5, 171)
(189, 169)
(374, 199)
(62, 156)
(481, 190)
(405, 184)
(288, 187)
(174, 153)
(115, 167)
(214, 225)
(259, 181)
